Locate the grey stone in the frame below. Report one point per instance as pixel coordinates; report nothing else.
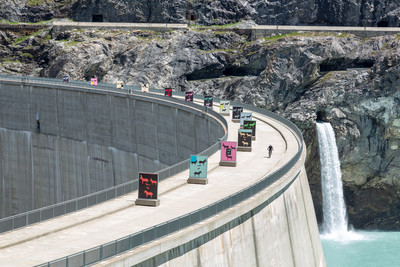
(348, 80)
(383, 13)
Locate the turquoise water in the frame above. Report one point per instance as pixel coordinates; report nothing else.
(362, 249)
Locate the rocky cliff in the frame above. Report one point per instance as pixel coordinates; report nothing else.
(350, 81)
(381, 13)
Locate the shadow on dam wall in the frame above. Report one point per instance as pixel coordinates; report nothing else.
(88, 141)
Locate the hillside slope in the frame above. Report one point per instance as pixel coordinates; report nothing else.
(350, 81)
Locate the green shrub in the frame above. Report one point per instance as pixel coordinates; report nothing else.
(27, 55)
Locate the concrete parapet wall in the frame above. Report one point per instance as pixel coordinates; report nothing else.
(88, 141)
(267, 30)
(156, 27)
(255, 32)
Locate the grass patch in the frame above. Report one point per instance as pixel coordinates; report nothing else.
(37, 2)
(327, 76)
(344, 35)
(20, 39)
(275, 38)
(23, 38)
(47, 37)
(305, 34)
(27, 55)
(69, 42)
(389, 43)
(27, 47)
(6, 21)
(43, 22)
(219, 33)
(218, 50)
(9, 60)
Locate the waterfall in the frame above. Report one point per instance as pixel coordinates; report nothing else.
(334, 208)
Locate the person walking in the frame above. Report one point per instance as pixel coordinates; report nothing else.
(270, 149)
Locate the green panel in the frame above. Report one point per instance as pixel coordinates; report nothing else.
(198, 166)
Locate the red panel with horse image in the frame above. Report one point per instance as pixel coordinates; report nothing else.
(148, 185)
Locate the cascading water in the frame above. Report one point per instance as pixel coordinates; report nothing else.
(334, 208)
(343, 247)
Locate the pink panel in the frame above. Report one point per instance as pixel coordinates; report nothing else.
(93, 81)
(228, 151)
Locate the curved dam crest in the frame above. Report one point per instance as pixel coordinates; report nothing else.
(263, 217)
(88, 141)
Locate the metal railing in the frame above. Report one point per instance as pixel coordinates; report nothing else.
(135, 240)
(127, 243)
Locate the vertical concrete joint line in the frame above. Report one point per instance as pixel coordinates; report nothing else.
(154, 107)
(39, 178)
(176, 132)
(198, 257)
(84, 98)
(255, 239)
(290, 234)
(110, 118)
(113, 160)
(32, 163)
(132, 107)
(308, 223)
(57, 112)
(196, 143)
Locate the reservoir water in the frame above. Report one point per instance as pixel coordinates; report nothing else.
(365, 249)
(343, 247)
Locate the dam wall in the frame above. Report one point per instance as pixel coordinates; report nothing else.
(263, 217)
(88, 141)
(276, 227)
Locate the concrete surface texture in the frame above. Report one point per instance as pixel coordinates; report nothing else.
(262, 231)
(263, 236)
(88, 142)
(276, 227)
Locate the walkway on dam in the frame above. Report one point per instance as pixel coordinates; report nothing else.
(57, 238)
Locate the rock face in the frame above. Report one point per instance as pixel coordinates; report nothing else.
(351, 82)
(130, 11)
(34, 10)
(382, 13)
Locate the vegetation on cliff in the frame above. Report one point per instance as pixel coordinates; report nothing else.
(352, 82)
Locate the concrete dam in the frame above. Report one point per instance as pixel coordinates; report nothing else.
(88, 141)
(259, 213)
